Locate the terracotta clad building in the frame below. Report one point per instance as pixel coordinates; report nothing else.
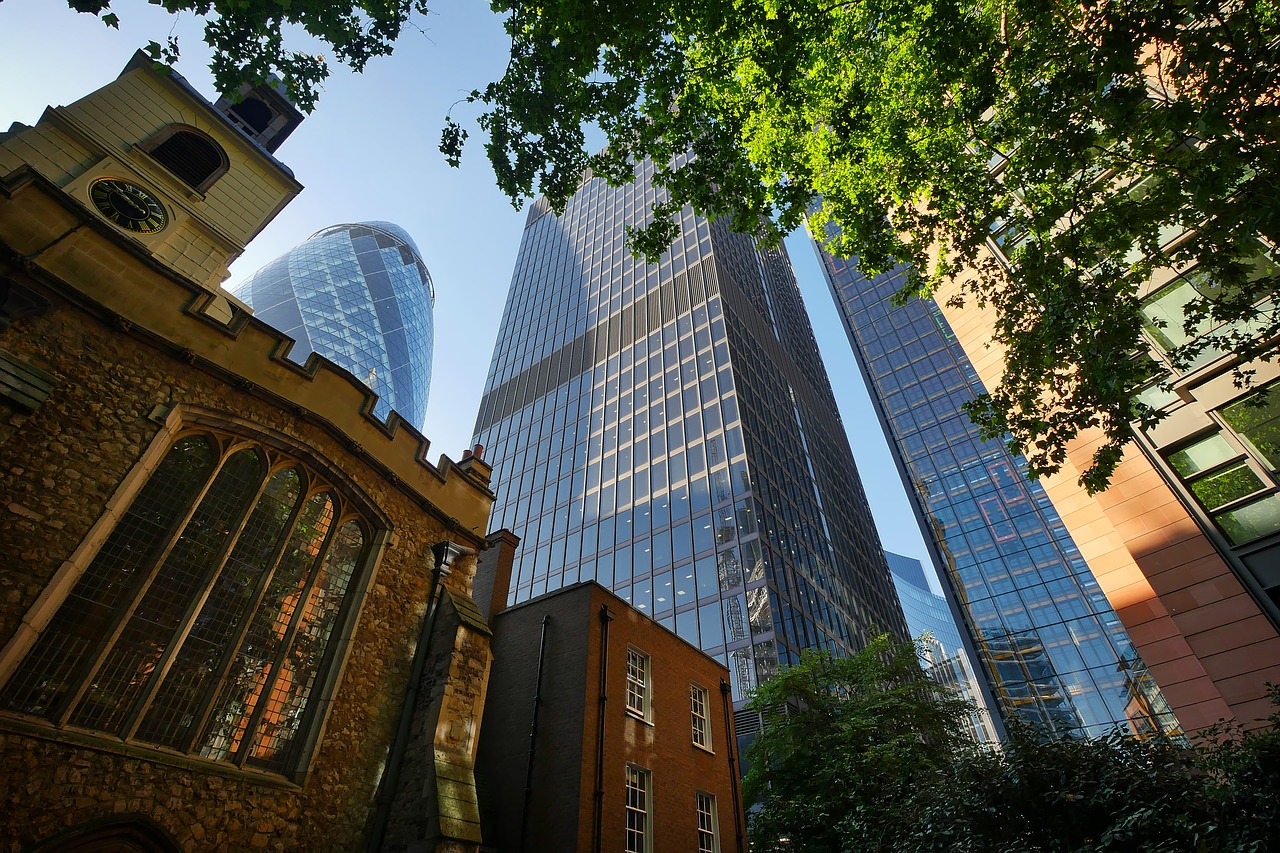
(1186, 541)
(1196, 588)
(604, 731)
(215, 564)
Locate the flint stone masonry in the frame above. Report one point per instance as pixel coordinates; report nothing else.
(61, 470)
(202, 812)
(435, 805)
(135, 345)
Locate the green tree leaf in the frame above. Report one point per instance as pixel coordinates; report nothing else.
(863, 754)
(249, 44)
(1083, 137)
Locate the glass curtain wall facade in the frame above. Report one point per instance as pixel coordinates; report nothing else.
(945, 655)
(360, 296)
(1048, 641)
(669, 431)
(924, 610)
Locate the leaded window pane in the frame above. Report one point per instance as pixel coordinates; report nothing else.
(199, 662)
(257, 660)
(201, 629)
(73, 636)
(150, 628)
(317, 611)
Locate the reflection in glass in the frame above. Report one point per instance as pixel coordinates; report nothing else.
(646, 400)
(1048, 643)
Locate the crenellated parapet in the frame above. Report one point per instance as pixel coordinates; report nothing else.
(53, 242)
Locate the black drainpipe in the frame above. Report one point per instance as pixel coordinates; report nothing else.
(533, 734)
(597, 822)
(733, 763)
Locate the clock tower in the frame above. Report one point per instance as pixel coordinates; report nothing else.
(169, 178)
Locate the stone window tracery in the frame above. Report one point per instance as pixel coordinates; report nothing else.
(202, 623)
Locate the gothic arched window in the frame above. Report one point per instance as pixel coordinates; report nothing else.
(203, 622)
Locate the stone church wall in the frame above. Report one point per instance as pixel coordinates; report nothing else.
(61, 470)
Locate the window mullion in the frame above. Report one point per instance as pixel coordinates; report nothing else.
(89, 671)
(1267, 489)
(286, 643)
(180, 633)
(233, 645)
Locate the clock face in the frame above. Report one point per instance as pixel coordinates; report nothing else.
(128, 206)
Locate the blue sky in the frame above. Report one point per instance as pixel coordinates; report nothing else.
(369, 152)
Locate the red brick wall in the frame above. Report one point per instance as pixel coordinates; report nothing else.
(562, 806)
(665, 745)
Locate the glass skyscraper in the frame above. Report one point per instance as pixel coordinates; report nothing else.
(945, 655)
(360, 296)
(669, 430)
(1048, 641)
(925, 611)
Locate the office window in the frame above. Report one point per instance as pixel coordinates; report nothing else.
(698, 711)
(1256, 419)
(1236, 492)
(638, 683)
(202, 624)
(708, 831)
(639, 814)
(1165, 311)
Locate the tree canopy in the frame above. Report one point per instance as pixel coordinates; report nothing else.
(248, 42)
(1081, 135)
(1095, 141)
(863, 754)
(843, 743)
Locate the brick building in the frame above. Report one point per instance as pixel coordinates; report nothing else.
(603, 730)
(216, 564)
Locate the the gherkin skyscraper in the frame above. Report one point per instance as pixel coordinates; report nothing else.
(360, 296)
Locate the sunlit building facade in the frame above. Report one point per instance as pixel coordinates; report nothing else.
(944, 654)
(1047, 639)
(360, 296)
(669, 430)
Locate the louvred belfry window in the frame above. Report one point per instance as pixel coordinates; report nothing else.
(203, 623)
(194, 158)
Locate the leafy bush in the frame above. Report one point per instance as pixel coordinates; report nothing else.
(863, 754)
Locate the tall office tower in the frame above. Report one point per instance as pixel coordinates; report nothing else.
(1046, 637)
(669, 430)
(945, 655)
(360, 296)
